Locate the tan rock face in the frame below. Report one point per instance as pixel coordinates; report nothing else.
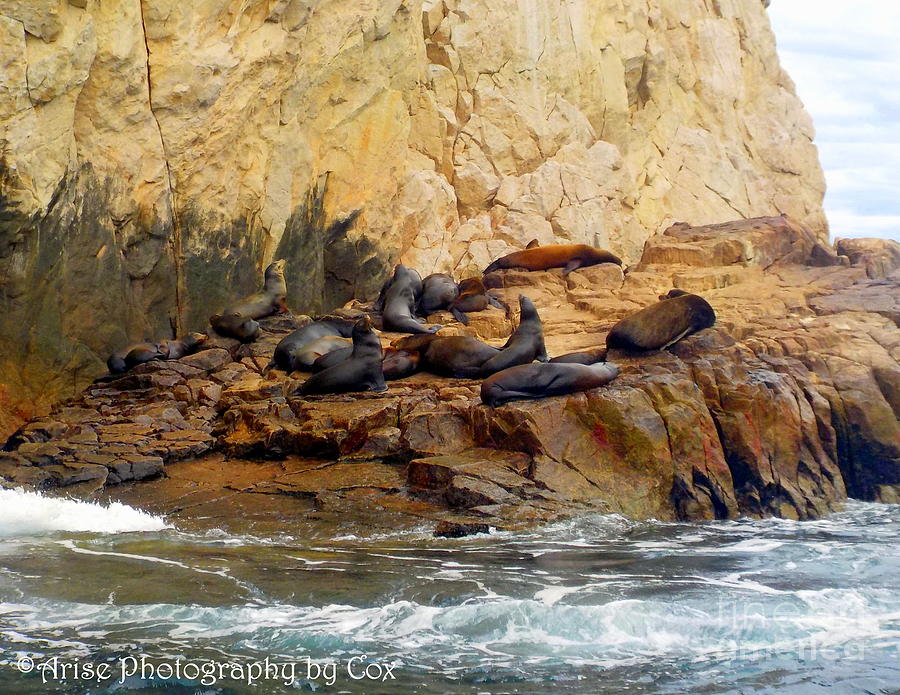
(154, 157)
(784, 407)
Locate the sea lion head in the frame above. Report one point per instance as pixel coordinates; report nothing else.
(527, 309)
(671, 294)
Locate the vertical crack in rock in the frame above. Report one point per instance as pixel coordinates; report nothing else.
(176, 239)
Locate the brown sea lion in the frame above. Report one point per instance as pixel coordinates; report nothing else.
(542, 380)
(583, 357)
(458, 356)
(397, 364)
(671, 294)
(285, 352)
(438, 292)
(360, 372)
(238, 320)
(659, 325)
(399, 303)
(525, 345)
(473, 296)
(176, 349)
(567, 256)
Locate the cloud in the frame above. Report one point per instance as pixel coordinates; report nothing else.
(845, 61)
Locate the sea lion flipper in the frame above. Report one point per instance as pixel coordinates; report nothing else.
(459, 316)
(574, 264)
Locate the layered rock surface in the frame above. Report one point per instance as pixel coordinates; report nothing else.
(785, 407)
(155, 157)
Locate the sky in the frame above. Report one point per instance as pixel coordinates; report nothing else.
(844, 57)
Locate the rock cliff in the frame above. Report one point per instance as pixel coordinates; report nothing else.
(154, 157)
(787, 405)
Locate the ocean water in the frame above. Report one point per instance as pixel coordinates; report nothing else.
(113, 600)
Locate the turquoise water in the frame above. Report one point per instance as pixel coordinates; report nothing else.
(598, 605)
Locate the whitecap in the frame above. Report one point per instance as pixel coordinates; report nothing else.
(25, 513)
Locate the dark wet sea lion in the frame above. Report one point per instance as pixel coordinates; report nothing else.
(671, 294)
(331, 359)
(583, 357)
(567, 256)
(397, 364)
(270, 300)
(235, 325)
(525, 345)
(175, 349)
(542, 380)
(473, 296)
(304, 357)
(360, 372)
(400, 303)
(238, 320)
(660, 325)
(458, 356)
(284, 356)
(438, 292)
(124, 359)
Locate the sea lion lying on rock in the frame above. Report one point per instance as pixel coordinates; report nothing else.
(567, 256)
(583, 357)
(438, 292)
(286, 355)
(360, 372)
(473, 296)
(660, 325)
(525, 345)
(139, 353)
(395, 364)
(543, 380)
(458, 356)
(238, 320)
(398, 302)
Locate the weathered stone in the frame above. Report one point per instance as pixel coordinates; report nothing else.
(451, 529)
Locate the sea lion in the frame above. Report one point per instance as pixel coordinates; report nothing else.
(235, 325)
(473, 296)
(176, 349)
(330, 359)
(659, 325)
(567, 256)
(583, 357)
(438, 292)
(542, 380)
(137, 353)
(458, 356)
(397, 364)
(284, 355)
(360, 372)
(305, 356)
(671, 294)
(238, 320)
(399, 303)
(525, 345)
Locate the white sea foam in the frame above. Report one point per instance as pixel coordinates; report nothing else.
(25, 513)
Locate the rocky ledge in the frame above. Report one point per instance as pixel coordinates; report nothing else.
(787, 406)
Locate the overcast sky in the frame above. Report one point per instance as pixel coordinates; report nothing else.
(844, 57)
